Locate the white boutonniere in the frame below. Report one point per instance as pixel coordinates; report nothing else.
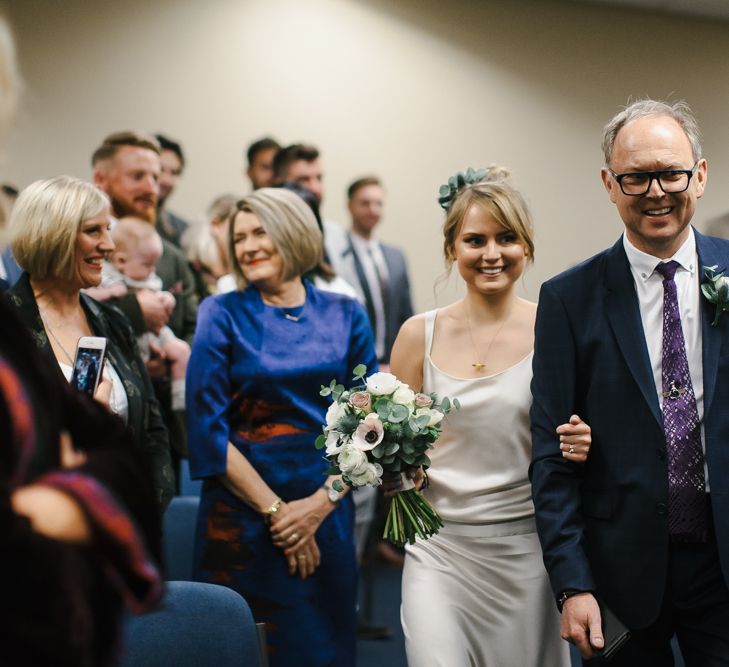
(716, 290)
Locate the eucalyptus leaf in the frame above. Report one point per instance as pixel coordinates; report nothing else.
(320, 442)
(379, 451)
(388, 460)
(422, 421)
(709, 291)
(325, 391)
(445, 404)
(337, 485)
(398, 413)
(414, 425)
(333, 470)
(457, 404)
(359, 371)
(382, 408)
(392, 448)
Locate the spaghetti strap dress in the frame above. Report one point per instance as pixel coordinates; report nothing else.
(477, 593)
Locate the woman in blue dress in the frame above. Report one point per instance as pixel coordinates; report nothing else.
(270, 525)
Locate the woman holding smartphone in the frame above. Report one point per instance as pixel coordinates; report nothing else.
(60, 230)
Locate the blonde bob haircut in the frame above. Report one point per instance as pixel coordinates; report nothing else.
(501, 200)
(289, 223)
(45, 222)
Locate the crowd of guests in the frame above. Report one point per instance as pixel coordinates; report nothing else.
(219, 336)
(236, 375)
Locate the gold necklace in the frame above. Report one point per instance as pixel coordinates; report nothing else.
(49, 329)
(480, 365)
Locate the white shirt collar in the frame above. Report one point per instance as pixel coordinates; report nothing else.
(364, 244)
(644, 265)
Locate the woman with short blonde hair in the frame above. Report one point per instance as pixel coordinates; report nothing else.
(271, 526)
(61, 229)
(289, 222)
(46, 220)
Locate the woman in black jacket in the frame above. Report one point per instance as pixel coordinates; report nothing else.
(60, 230)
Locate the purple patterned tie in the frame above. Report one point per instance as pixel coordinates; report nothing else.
(687, 511)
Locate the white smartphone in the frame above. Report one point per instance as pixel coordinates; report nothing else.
(88, 366)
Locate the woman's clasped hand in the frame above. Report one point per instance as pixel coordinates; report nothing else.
(293, 529)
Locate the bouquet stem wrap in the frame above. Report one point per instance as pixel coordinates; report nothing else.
(410, 516)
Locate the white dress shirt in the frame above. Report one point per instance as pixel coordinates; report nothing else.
(373, 262)
(649, 287)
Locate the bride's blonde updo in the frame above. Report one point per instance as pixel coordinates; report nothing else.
(491, 189)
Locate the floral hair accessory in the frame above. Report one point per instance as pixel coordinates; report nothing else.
(448, 192)
(716, 290)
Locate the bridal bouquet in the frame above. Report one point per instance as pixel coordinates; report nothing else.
(382, 426)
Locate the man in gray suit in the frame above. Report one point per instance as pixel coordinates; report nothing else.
(376, 270)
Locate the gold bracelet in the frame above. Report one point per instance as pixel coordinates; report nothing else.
(275, 507)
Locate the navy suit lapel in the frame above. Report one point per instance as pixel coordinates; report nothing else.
(623, 312)
(710, 254)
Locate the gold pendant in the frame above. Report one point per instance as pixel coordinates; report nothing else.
(478, 366)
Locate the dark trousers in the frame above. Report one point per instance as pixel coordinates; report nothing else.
(695, 608)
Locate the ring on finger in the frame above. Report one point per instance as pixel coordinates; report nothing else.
(571, 450)
(294, 537)
(301, 557)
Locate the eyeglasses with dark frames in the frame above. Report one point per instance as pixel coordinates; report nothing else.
(671, 181)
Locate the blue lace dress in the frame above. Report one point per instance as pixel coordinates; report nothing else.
(253, 379)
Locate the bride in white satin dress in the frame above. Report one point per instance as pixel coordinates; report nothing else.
(477, 594)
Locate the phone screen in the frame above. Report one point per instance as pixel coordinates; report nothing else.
(87, 368)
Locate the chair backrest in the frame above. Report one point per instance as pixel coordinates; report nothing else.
(188, 486)
(178, 535)
(196, 625)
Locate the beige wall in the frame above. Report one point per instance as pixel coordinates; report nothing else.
(412, 90)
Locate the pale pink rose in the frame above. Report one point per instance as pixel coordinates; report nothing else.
(369, 433)
(361, 400)
(423, 401)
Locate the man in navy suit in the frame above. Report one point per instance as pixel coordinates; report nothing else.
(626, 341)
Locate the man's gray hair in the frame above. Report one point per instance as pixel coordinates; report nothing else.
(680, 111)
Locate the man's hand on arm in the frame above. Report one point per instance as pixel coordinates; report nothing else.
(582, 624)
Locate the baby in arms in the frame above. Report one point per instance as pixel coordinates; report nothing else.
(131, 266)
